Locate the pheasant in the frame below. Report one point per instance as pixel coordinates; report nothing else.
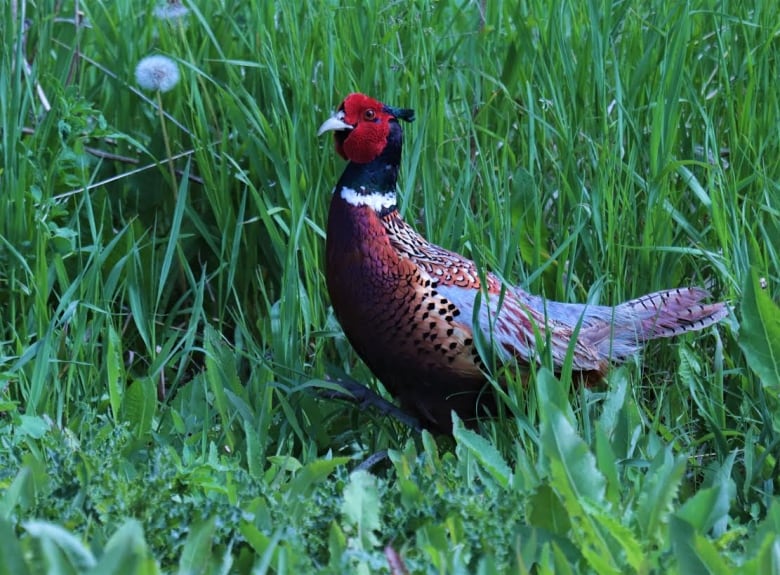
(407, 306)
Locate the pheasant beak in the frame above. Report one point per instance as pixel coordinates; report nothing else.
(335, 122)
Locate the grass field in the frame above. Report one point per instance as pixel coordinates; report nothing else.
(165, 330)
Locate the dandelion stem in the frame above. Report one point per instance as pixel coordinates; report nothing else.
(166, 140)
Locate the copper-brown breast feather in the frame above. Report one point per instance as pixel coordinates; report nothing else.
(391, 311)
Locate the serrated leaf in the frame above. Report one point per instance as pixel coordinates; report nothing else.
(759, 334)
(361, 506)
(115, 372)
(659, 490)
(254, 450)
(140, 405)
(221, 375)
(578, 481)
(624, 536)
(483, 451)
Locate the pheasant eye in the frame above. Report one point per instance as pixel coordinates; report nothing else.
(369, 114)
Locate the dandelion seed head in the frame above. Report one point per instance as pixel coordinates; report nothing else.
(157, 73)
(171, 11)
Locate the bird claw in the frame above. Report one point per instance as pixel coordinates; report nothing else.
(364, 397)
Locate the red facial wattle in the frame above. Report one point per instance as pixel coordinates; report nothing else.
(370, 129)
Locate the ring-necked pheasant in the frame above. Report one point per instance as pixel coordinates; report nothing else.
(406, 305)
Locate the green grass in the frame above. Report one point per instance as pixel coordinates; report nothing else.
(164, 333)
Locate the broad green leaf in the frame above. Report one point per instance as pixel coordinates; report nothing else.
(286, 462)
(260, 542)
(708, 506)
(312, 473)
(11, 556)
(483, 451)
(125, 553)
(766, 561)
(615, 400)
(433, 540)
(33, 426)
(599, 556)
(27, 486)
(532, 544)
(759, 334)
(57, 539)
(361, 507)
(694, 552)
(430, 450)
(337, 544)
(487, 565)
(768, 529)
(546, 511)
(411, 495)
(764, 545)
(552, 395)
(196, 554)
(178, 421)
(575, 466)
(721, 479)
(608, 465)
(57, 559)
(563, 566)
(403, 461)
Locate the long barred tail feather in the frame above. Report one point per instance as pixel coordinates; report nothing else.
(671, 312)
(615, 333)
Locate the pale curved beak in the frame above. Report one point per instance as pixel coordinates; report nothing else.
(334, 123)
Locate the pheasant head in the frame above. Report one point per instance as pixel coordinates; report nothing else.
(364, 128)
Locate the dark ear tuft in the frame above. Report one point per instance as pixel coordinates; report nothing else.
(405, 114)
